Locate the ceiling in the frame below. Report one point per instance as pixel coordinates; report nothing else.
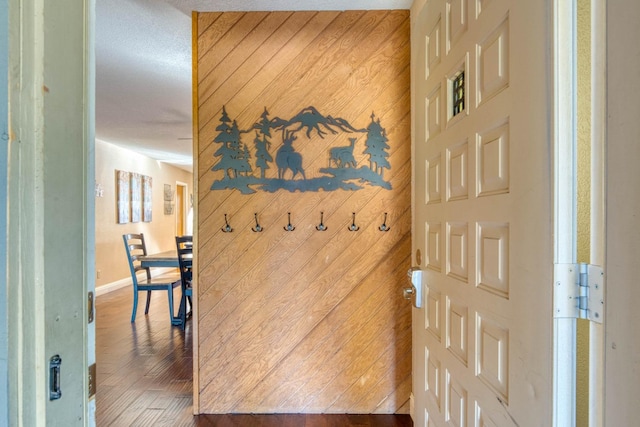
(143, 68)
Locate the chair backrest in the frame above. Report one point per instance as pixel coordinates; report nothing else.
(135, 248)
(184, 246)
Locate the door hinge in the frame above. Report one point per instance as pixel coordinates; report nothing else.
(579, 292)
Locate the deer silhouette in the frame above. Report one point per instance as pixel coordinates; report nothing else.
(343, 156)
(288, 158)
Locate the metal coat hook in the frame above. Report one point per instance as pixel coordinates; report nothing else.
(321, 226)
(227, 228)
(384, 226)
(258, 228)
(353, 226)
(289, 227)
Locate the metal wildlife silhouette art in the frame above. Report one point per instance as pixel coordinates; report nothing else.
(343, 156)
(287, 158)
(245, 166)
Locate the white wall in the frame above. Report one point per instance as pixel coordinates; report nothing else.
(622, 299)
(111, 262)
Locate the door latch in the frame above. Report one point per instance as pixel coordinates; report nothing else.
(414, 292)
(55, 391)
(91, 307)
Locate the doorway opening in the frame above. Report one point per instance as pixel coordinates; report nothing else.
(182, 210)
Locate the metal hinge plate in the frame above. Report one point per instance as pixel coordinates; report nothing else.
(91, 307)
(92, 380)
(579, 292)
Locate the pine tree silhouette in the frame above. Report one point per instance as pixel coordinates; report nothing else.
(243, 161)
(229, 137)
(264, 125)
(262, 153)
(235, 162)
(376, 144)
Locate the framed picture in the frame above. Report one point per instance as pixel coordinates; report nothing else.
(147, 198)
(168, 199)
(168, 193)
(123, 196)
(136, 197)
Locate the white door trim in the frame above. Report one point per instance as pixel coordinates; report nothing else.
(565, 223)
(25, 273)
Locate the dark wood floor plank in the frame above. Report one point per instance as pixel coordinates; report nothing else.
(136, 408)
(178, 413)
(145, 376)
(148, 417)
(121, 405)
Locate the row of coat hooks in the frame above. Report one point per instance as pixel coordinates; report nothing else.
(290, 227)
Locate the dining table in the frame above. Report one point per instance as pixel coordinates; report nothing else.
(160, 259)
(168, 259)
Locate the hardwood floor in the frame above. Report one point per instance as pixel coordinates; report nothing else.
(144, 374)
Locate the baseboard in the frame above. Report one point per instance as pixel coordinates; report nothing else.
(412, 407)
(113, 286)
(119, 284)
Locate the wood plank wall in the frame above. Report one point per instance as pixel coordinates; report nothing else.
(304, 321)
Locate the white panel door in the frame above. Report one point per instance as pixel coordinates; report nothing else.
(483, 214)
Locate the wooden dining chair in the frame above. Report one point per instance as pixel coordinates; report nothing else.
(184, 246)
(135, 247)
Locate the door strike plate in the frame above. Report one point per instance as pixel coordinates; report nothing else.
(92, 380)
(91, 307)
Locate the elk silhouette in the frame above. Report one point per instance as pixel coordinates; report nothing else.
(343, 156)
(288, 158)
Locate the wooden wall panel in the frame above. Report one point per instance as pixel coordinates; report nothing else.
(304, 321)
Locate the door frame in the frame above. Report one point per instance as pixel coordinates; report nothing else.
(183, 209)
(597, 210)
(4, 131)
(50, 220)
(565, 200)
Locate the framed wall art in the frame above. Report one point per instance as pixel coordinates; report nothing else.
(136, 197)
(122, 203)
(147, 198)
(168, 199)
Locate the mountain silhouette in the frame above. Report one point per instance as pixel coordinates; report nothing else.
(311, 119)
